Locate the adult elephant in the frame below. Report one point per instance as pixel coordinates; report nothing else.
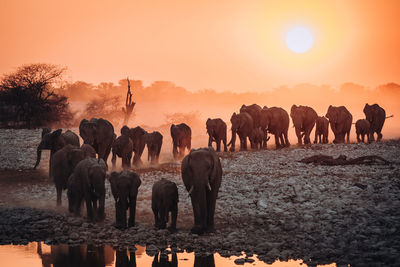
(124, 187)
(164, 199)
(154, 143)
(254, 111)
(202, 175)
(376, 117)
(137, 136)
(216, 129)
(98, 133)
(275, 120)
(87, 182)
(242, 125)
(54, 141)
(303, 118)
(181, 138)
(321, 130)
(362, 130)
(62, 165)
(340, 120)
(123, 148)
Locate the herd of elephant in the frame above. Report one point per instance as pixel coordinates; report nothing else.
(77, 169)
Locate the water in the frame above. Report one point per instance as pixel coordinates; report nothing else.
(39, 254)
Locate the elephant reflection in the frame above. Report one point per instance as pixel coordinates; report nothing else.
(123, 260)
(161, 260)
(204, 261)
(68, 256)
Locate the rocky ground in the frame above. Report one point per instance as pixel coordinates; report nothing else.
(269, 204)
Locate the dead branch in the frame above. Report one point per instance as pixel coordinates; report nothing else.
(342, 160)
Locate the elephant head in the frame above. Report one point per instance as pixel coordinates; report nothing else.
(87, 130)
(201, 174)
(51, 141)
(125, 130)
(266, 117)
(371, 112)
(298, 115)
(211, 126)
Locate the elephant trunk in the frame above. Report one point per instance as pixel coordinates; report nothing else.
(233, 140)
(38, 156)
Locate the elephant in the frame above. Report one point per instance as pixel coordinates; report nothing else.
(362, 130)
(340, 120)
(254, 111)
(216, 129)
(62, 165)
(122, 259)
(88, 182)
(124, 188)
(98, 133)
(202, 174)
(242, 124)
(89, 151)
(257, 137)
(181, 138)
(161, 260)
(303, 118)
(376, 117)
(55, 141)
(137, 136)
(164, 199)
(275, 120)
(321, 130)
(154, 142)
(123, 148)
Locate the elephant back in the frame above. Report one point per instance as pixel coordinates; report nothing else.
(71, 138)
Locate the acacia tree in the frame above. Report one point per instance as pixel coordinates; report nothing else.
(129, 104)
(29, 95)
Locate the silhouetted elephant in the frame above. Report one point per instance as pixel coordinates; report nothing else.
(164, 199)
(216, 129)
(257, 137)
(124, 187)
(321, 130)
(87, 182)
(303, 118)
(204, 260)
(181, 138)
(62, 165)
(137, 136)
(202, 174)
(254, 111)
(161, 260)
(122, 259)
(362, 130)
(275, 120)
(340, 120)
(54, 141)
(123, 148)
(154, 142)
(376, 117)
(89, 151)
(242, 125)
(98, 133)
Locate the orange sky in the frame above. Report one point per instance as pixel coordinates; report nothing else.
(224, 45)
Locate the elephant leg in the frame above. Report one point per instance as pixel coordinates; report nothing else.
(59, 193)
(132, 211)
(379, 138)
(100, 211)
(114, 160)
(287, 143)
(277, 144)
(95, 209)
(348, 136)
(316, 137)
(209, 140)
(225, 146)
(120, 214)
(107, 153)
(358, 138)
(218, 141)
(175, 151)
(211, 201)
(199, 210)
(299, 137)
(156, 216)
(89, 207)
(174, 215)
(282, 141)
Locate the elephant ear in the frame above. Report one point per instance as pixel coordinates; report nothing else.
(186, 171)
(113, 182)
(45, 131)
(243, 120)
(216, 170)
(135, 183)
(55, 135)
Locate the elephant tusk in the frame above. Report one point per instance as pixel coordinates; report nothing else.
(208, 186)
(191, 189)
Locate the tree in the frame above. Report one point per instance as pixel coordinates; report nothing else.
(29, 94)
(129, 104)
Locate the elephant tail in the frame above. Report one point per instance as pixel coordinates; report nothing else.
(388, 117)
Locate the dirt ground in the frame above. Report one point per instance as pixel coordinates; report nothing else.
(269, 204)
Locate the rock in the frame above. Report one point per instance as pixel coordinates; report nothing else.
(240, 261)
(74, 235)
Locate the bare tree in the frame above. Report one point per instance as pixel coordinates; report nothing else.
(129, 104)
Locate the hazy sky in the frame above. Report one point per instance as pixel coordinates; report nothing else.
(224, 45)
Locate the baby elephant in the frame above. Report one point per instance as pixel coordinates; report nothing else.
(321, 130)
(154, 142)
(362, 129)
(165, 199)
(124, 187)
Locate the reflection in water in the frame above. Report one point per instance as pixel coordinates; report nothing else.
(68, 256)
(204, 261)
(122, 259)
(161, 260)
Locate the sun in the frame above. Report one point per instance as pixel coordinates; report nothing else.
(299, 39)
